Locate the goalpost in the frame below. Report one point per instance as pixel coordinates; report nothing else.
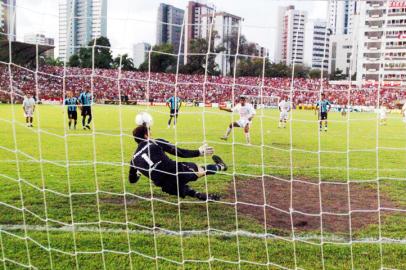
(297, 198)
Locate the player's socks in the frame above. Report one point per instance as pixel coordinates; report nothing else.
(225, 137)
(247, 138)
(219, 162)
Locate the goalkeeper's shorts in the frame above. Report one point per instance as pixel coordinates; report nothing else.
(187, 172)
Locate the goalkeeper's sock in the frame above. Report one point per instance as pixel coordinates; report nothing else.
(219, 162)
(70, 123)
(212, 169)
(83, 121)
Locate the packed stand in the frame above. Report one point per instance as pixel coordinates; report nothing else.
(110, 85)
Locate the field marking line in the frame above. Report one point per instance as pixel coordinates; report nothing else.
(188, 233)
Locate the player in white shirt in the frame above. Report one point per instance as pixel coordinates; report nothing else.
(404, 112)
(247, 113)
(29, 108)
(284, 108)
(382, 115)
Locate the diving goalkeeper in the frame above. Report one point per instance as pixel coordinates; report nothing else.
(150, 160)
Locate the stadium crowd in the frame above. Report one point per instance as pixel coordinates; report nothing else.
(109, 84)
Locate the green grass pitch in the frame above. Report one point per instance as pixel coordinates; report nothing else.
(84, 174)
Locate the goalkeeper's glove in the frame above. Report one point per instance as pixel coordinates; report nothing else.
(204, 197)
(134, 178)
(206, 150)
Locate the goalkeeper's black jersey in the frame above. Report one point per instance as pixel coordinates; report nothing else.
(151, 160)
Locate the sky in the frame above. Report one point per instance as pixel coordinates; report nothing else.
(133, 21)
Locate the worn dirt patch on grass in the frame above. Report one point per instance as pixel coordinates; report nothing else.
(311, 207)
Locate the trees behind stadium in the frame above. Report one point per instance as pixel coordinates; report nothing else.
(162, 58)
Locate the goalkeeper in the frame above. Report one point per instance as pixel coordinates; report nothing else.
(150, 159)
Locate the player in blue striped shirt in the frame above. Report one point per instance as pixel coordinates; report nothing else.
(324, 107)
(174, 103)
(71, 102)
(86, 100)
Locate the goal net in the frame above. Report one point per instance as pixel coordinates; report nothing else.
(325, 190)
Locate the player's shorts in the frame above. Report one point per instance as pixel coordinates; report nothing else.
(86, 110)
(186, 173)
(323, 116)
(382, 116)
(284, 116)
(174, 112)
(28, 112)
(243, 123)
(73, 115)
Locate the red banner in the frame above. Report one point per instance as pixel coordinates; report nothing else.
(397, 4)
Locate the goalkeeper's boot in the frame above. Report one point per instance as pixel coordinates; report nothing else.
(224, 138)
(88, 127)
(220, 162)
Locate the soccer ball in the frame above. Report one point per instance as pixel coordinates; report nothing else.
(143, 118)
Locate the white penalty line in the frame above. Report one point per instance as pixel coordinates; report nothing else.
(190, 233)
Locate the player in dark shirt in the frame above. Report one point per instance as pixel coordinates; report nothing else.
(150, 160)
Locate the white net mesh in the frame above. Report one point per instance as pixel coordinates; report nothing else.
(315, 195)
